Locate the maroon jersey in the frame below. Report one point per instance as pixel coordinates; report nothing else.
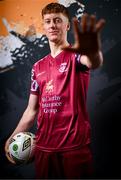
(61, 85)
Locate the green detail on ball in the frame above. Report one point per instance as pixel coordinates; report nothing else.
(15, 147)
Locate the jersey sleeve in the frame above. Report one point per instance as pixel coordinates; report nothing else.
(80, 66)
(34, 89)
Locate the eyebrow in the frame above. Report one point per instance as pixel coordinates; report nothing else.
(52, 18)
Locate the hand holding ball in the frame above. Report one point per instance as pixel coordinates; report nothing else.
(21, 147)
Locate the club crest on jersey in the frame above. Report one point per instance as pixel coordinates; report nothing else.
(49, 86)
(63, 67)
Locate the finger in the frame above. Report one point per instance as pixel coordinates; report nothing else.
(6, 148)
(84, 22)
(92, 23)
(9, 158)
(100, 24)
(7, 145)
(76, 29)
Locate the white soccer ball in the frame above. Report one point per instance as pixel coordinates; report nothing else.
(22, 146)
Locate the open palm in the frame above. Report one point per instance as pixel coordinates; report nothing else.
(87, 35)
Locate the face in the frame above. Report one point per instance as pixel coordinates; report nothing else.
(55, 26)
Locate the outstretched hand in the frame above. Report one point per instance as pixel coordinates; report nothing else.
(87, 35)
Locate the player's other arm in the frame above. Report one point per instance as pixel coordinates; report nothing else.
(26, 121)
(87, 40)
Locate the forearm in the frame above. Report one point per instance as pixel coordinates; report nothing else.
(92, 60)
(96, 60)
(26, 121)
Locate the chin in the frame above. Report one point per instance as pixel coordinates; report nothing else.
(54, 40)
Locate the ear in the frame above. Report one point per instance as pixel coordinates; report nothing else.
(42, 25)
(42, 29)
(68, 26)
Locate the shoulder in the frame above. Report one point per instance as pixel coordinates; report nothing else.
(40, 61)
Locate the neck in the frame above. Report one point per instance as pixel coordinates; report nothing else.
(56, 48)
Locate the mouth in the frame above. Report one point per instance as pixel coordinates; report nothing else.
(53, 32)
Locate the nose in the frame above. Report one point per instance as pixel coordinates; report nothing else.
(52, 24)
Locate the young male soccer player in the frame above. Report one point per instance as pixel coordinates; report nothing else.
(58, 96)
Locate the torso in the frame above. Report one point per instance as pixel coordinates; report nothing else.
(63, 122)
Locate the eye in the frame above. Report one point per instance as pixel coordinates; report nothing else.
(58, 20)
(47, 21)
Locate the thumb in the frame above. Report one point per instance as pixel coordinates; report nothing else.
(70, 49)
